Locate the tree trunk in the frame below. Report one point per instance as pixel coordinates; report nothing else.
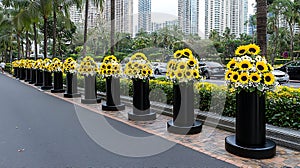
(27, 45)
(262, 25)
(54, 29)
(45, 36)
(19, 46)
(291, 40)
(35, 41)
(112, 27)
(85, 27)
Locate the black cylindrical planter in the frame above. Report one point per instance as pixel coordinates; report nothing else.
(47, 81)
(250, 137)
(90, 93)
(183, 111)
(141, 103)
(58, 83)
(71, 82)
(15, 72)
(39, 78)
(32, 76)
(27, 75)
(22, 74)
(113, 102)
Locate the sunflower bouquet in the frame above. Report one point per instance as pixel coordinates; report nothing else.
(87, 67)
(249, 71)
(22, 63)
(110, 67)
(139, 67)
(15, 64)
(38, 64)
(29, 64)
(183, 67)
(69, 65)
(45, 65)
(56, 65)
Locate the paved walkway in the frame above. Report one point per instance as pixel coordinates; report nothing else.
(210, 141)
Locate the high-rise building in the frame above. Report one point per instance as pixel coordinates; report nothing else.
(188, 16)
(220, 14)
(144, 15)
(75, 14)
(123, 15)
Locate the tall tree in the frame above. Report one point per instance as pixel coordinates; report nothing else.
(261, 14)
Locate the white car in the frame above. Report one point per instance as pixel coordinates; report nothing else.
(159, 67)
(281, 76)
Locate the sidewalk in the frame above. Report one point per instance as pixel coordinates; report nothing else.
(210, 141)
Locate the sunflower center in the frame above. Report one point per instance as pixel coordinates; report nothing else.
(228, 75)
(252, 50)
(268, 78)
(108, 67)
(235, 77)
(182, 66)
(195, 73)
(186, 53)
(188, 73)
(191, 62)
(244, 78)
(179, 74)
(254, 78)
(242, 51)
(178, 54)
(245, 66)
(232, 65)
(260, 67)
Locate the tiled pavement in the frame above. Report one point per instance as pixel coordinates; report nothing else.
(210, 141)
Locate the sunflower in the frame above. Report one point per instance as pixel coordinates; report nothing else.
(103, 66)
(261, 66)
(144, 72)
(181, 66)
(234, 76)
(269, 78)
(171, 64)
(178, 54)
(195, 74)
(231, 64)
(244, 78)
(187, 53)
(253, 49)
(138, 56)
(192, 62)
(245, 65)
(179, 74)
(188, 74)
(255, 77)
(241, 50)
(228, 74)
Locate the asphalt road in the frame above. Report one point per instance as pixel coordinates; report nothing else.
(41, 131)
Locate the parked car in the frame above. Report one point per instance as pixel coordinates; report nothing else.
(292, 69)
(280, 76)
(211, 69)
(159, 68)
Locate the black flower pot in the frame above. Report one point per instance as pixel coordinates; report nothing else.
(47, 81)
(71, 81)
(90, 92)
(32, 76)
(58, 83)
(22, 74)
(15, 72)
(27, 75)
(141, 103)
(39, 78)
(113, 102)
(250, 137)
(183, 111)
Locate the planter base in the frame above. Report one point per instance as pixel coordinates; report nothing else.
(38, 84)
(267, 151)
(67, 95)
(31, 82)
(57, 91)
(113, 108)
(91, 101)
(194, 129)
(145, 117)
(46, 87)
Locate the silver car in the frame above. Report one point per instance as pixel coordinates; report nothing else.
(281, 76)
(159, 68)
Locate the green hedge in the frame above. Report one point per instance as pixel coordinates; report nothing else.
(282, 106)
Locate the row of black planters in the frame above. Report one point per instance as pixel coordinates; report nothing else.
(250, 137)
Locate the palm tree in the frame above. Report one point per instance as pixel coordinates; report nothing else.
(261, 15)
(97, 3)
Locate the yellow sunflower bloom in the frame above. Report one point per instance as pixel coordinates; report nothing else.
(187, 53)
(192, 62)
(241, 50)
(228, 74)
(245, 65)
(138, 56)
(109, 66)
(178, 54)
(231, 64)
(179, 74)
(255, 77)
(243, 78)
(261, 66)
(253, 49)
(171, 64)
(234, 76)
(188, 74)
(181, 66)
(195, 74)
(269, 79)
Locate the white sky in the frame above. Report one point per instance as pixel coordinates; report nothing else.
(170, 7)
